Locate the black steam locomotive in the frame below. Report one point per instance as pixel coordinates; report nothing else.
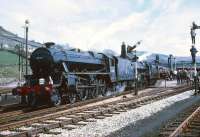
(60, 76)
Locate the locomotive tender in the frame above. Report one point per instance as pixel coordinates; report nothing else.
(67, 75)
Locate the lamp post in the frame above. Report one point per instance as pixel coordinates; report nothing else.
(26, 28)
(193, 51)
(19, 61)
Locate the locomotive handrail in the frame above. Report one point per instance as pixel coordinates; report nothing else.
(86, 73)
(103, 69)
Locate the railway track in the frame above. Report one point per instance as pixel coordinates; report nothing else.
(24, 113)
(82, 114)
(186, 125)
(13, 109)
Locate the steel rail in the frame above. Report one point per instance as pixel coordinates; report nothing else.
(184, 124)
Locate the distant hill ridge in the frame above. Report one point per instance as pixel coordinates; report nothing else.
(11, 39)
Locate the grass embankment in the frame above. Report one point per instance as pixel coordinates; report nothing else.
(8, 58)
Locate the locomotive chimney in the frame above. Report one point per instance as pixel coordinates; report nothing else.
(123, 50)
(49, 44)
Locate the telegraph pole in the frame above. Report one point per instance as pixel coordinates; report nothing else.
(20, 64)
(19, 60)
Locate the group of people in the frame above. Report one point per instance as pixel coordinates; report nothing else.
(188, 76)
(184, 76)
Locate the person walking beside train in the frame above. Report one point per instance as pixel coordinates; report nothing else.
(185, 75)
(178, 77)
(181, 76)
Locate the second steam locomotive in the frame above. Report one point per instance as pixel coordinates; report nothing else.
(60, 76)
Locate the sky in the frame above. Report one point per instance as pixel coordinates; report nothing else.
(162, 25)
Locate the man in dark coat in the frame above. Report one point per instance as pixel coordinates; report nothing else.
(193, 51)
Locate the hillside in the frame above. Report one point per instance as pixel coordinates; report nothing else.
(8, 65)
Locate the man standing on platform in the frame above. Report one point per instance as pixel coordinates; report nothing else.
(193, 51)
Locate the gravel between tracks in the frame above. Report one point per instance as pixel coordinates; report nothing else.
(108, 125)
